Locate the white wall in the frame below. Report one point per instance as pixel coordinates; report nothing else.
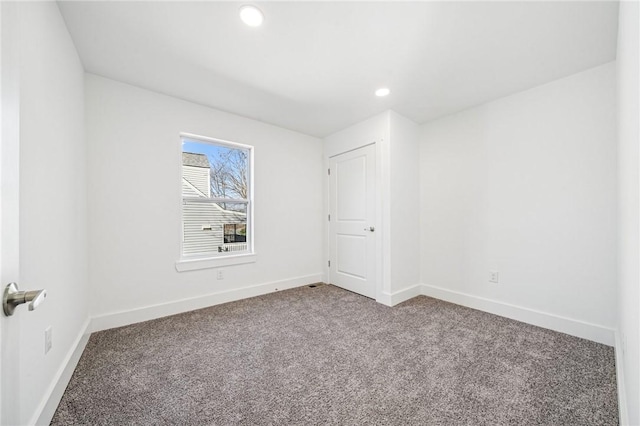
(629, 212)
(526, 186)
(134, 160)
(369, 131)
(53, 218)
(405, 203)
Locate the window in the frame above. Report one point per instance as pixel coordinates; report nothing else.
(235, 232)
(216, 198)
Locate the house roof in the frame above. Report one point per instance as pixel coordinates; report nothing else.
(195, 160)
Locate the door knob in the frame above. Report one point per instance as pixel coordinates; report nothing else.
(12, 298)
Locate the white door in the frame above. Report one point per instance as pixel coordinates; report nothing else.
(9, 198)
(352, 220)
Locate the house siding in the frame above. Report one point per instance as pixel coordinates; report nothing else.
(198, 177)
(197, 215)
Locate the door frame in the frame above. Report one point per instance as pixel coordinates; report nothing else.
(382, 210)
(9, 212)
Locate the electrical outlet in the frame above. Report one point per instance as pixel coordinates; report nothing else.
(493, 277)
(48, 339)
(220, 275)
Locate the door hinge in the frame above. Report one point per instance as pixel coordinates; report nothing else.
(329, 263)
(329, 172)
(329, 217)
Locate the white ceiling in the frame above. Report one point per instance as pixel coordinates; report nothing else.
(313, 66)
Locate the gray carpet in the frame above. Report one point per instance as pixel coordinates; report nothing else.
(327, 356)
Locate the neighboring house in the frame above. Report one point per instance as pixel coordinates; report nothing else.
(207, 227)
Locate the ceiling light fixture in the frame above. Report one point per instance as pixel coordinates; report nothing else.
(383, 91)
(251, 15)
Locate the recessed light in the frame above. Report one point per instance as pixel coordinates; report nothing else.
(383, 91)
(251, 15)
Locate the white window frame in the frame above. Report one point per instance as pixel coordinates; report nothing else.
(195, 262)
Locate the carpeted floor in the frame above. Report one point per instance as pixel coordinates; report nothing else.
(327, 356)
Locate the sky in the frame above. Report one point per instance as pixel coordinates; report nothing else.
(202, 148)
(212, 151)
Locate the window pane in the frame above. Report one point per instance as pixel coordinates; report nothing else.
(214, 228)
(217, 171)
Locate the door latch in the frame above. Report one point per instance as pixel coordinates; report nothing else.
(12, 298)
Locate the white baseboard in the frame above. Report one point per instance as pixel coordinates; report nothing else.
(392, 299)
(47, 407)
(622, 394)
(573, 327)
(119, 319)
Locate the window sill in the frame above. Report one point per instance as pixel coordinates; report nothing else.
(214, 262)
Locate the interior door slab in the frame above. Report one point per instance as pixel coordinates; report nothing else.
(352, 219)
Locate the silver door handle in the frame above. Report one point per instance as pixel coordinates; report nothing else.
(12, 298)
(370, 229)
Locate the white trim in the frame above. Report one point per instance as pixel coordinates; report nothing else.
(326, 183)
(622, 394)
(214, 262)
(49, 403)
(351, 150)
(383, 213)
(215, 200)
(392, 299)
(574, 327)
(582, 329)
(122, 318)
(216, 141)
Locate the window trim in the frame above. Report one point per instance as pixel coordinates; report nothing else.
(194, 262)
